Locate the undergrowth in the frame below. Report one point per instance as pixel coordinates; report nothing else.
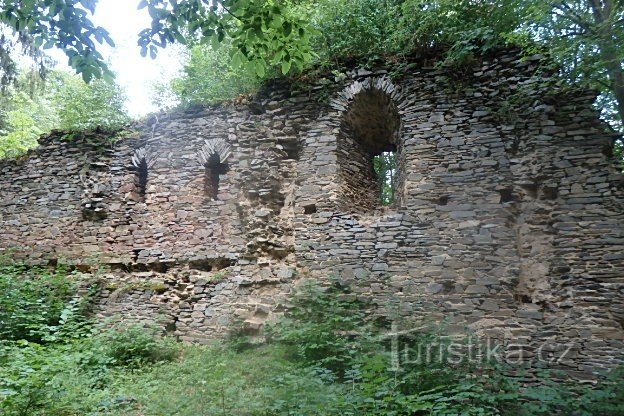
(327, 356)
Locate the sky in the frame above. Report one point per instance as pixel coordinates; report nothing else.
(135, 74)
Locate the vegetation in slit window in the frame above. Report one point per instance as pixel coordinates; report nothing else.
(385, 165)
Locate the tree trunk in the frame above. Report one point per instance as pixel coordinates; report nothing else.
(616, 77)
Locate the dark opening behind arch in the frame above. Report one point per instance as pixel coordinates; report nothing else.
(213, 169)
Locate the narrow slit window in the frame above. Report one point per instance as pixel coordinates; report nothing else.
(142, 161)
(212, 157)
(141, 179)
(385, 166)
(213, 171)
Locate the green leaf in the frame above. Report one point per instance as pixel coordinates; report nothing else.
(237, 58)
(108, 76)
(286, 67)
(260, 70)
(287, 28)
(89, 5)
(154, 12)
(179, 37)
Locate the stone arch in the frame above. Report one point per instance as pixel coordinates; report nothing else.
(213, 156)
(370, 124)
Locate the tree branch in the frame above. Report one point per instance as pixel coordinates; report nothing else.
(572, 15)
(229, 12)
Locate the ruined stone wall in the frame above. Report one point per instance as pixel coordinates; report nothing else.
(509, 221)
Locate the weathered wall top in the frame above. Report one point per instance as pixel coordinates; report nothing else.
(509, 215)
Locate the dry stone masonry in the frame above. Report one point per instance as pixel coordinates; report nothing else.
(509, 219)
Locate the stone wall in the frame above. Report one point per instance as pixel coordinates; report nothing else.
(509, 219)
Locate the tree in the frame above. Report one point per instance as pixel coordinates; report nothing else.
(385, 166)
(43, 24)
(209, 77)
(583, 35)
(27, 114)
(65, 101)
(587, 37)
(22, 136)
(262, 35)
(261, 32)
(83, 106)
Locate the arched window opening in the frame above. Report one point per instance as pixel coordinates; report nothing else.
(369, 152)
(213, 171)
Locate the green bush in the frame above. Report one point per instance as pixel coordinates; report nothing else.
(35, 302)
(83, 106)
(570, 398)
(63, 101)
(324, 327)
(354, 28)
(327, 356)
(328, 331)
(135, 346)
(607, 398)
(76, 376)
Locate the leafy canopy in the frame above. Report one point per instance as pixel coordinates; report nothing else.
(65, 102)
(586, 37)
(61, 23)
(82, 106)
(583, 36)
(209, 77)
(23, 119)
(262, 33)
